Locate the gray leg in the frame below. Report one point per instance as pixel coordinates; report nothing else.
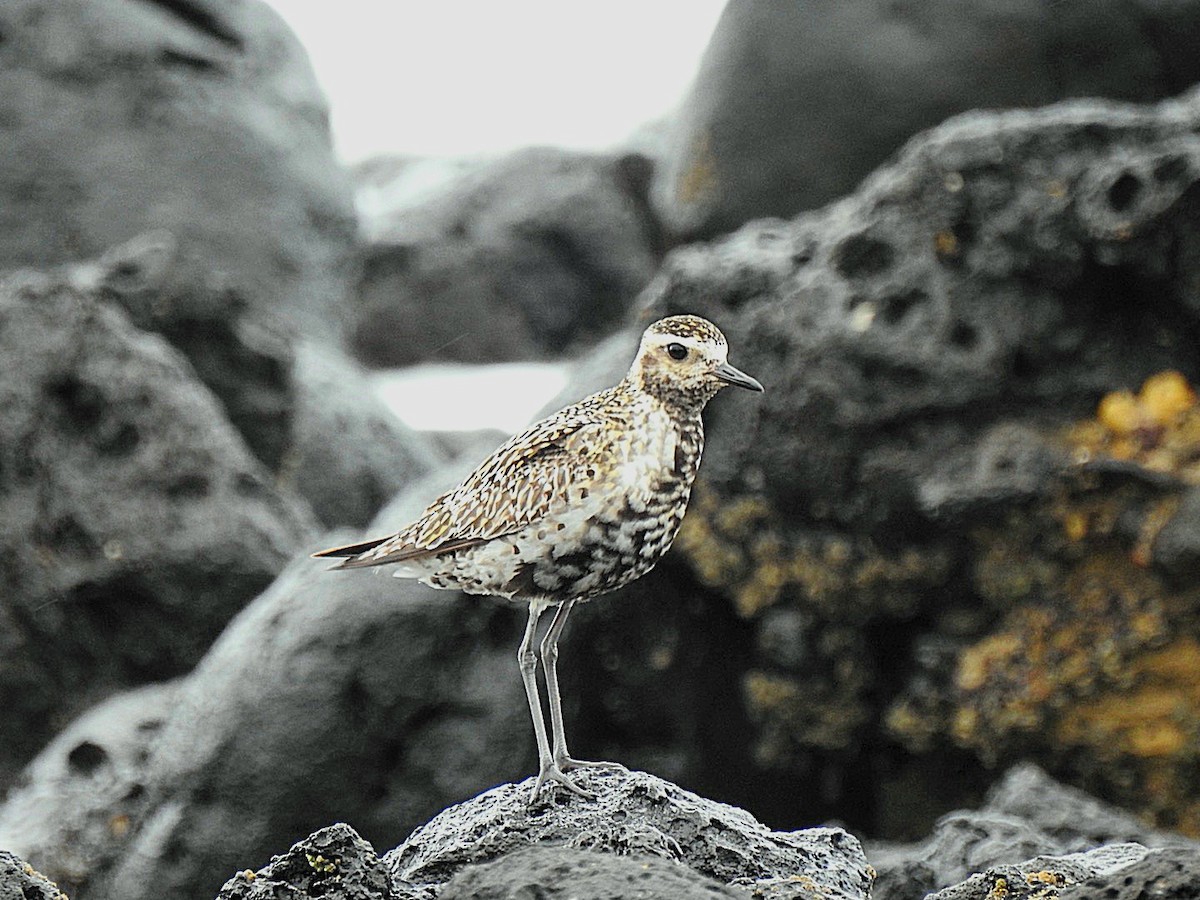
(550, 663)
(527, 660)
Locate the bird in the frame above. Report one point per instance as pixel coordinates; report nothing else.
(577, 505)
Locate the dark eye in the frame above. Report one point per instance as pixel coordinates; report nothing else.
(677, 351)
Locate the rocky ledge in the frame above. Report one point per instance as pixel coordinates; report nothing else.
(645, 837)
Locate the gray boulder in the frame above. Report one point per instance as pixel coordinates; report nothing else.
(932, 346)
(304, 407)
(194, 139)
(565, 872)
(348, 696)
(1071, 816)
(334, 862)
(521, 257)
(633, 813)
(1027, 814)
(1171, 874)
(347, 454)
(1043, 876)
(75, 806)
(134, 521)
(202, 119)
(796, 102)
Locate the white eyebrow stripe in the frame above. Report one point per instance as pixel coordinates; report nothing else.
(692, 342)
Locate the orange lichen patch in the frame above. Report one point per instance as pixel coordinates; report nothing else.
(1045, 877)
(945, 243)
(790, 715)
(1093, 663)
(1156, 518)
(1158, 428)
(977, 664)
(699, 179)
(1154, 715)
(742, 548)
(1082, 629)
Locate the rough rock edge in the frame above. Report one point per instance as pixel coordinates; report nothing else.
(633, 812)
(21, 881)
(333, 862)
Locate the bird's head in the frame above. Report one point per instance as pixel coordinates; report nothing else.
(682, 361)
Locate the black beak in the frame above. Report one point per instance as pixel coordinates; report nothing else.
(729, 374)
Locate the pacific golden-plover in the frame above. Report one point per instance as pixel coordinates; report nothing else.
(577, 505)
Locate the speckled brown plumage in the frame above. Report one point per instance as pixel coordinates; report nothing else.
(577, 505)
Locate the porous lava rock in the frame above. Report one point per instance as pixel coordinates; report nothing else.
(74, 807)
(334, 862)
(795, 103)
(633, 812)
(333, 696)
(135, 521)
(515, 258)
(20, 881)
(940, 522)
(1027, 814)
(202, 119)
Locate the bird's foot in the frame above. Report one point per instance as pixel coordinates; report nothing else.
(551, 772)
(567, 762)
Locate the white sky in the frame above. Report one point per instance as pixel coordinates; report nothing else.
(476, 77)
(505, 396)
(480, 76)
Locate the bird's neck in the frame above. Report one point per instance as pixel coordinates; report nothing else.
(683, 402)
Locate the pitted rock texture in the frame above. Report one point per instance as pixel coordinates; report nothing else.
(201, 124)
(73, 809)
(907, 495)
(632, 813)
(302, 404)
(1172, 874)
(135, 522)
(333, 862)
(512, 259)
(796, 102)
(20, 881)
(559, 873)
(1047, 877)
(1027, 814)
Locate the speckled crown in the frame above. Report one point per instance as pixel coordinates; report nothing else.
(688, 327)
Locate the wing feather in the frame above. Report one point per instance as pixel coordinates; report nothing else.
(516, 486)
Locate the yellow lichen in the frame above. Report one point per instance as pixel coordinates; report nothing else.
(1095, 656)
(742, 548)
(1158, 428)
(1153, 714)
(791, 714)
(1045, 877)
(320, 864)
(1119, 413)
(1167, 396)
(699, 179)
